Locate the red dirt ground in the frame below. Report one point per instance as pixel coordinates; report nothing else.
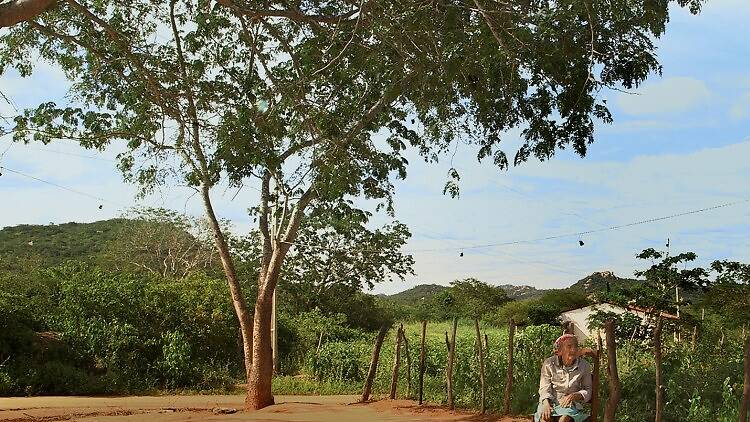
(201, 408)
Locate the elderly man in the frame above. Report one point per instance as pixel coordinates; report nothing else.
(565, 384)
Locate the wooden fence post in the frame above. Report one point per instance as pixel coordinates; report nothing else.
(595, 380)
(408, 363)
(480, 353)
(614, 378)
(421, 361)
(449, 370)
(746, 390)
(509, 373)
(396, 363)
(367, 389)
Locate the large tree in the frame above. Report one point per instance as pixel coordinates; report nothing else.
(315, 102)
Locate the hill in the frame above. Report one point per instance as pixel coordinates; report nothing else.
(522, 292)
(55, 243)
(601, 281)
(415, 294)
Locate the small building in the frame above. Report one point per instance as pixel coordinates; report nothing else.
(578, 318)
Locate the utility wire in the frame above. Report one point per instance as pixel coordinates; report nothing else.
(581, 233)
(61, 186)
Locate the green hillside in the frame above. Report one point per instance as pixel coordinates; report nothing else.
(416, 294)
(52, 244)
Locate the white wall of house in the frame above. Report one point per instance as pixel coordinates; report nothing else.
(579, 318)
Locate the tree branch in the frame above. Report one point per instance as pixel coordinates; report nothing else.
(291, 14)
(16, 11)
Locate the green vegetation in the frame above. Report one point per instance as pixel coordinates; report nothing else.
(88, 326)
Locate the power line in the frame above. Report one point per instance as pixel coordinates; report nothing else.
(581, 233)
(62, 187)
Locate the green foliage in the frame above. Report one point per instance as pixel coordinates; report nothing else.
(118, 333)
(474, 298)
(663, 276)
(543, 310)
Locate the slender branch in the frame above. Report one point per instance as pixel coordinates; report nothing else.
(291, 14)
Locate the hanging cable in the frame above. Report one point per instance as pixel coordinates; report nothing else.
(581, 233)
(63, 187)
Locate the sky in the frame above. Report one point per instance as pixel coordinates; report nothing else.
(679, 143)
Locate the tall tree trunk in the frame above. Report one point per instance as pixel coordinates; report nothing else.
(408, 363)
(449, 370)
(367, 389)
(15, 11)
(396, 363)
(746, 390)
(595, 381)
(480, 353)
(657, 363)
(509, 372)
(421, 360)
(238, 299)
(614, 377)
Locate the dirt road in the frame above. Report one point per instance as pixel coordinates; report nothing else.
(205, 408)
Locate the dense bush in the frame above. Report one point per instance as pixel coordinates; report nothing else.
(115, 333)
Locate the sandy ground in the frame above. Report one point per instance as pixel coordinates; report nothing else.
(203, 408)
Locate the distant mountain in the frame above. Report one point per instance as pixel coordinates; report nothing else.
(415, 294)
(522, 292)
(426, 291)
(596, 282)
(599, 282)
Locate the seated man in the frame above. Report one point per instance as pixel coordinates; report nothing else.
(565, 384)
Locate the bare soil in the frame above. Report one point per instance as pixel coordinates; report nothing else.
(206, 408)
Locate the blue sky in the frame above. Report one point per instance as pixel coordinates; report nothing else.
(680, 143)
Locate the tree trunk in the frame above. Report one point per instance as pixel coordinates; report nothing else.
(657, 363)
(509, 372)
(408, 363)
(746, 390)
(449, 370)
(259, 393)
(614, 377)
(238, 299)
(480, 353)
(595, 381)
(16, 11)
(374, 362)
(396, 363)
(421, 360)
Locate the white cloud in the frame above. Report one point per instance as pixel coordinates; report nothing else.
(669, 95)
(740, 110)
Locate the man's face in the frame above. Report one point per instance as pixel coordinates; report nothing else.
(568, 350)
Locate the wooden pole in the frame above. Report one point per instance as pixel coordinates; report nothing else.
(367, 389)
(421, 361)
(480, 353)
(449, 370)
(408, 363)
(595, 380)
(657, 363)
(614, 378)
(746, 390)
(509, 372)
(396, 363)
